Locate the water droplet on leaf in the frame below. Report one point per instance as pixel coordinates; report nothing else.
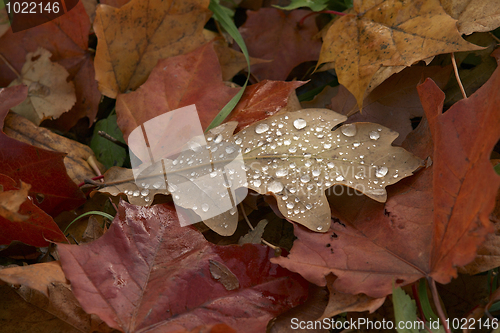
(299, 123)
(349, 130)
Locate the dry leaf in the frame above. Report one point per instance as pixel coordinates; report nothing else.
(78, 155)
(474, 15)
(254, 236)
(134, 37)
(221, 273)
(11, 201)
(387, 33)
(49, 95)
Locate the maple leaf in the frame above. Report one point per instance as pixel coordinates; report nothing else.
(473, 15)
(374, 244)
(134, 37)
(151, 260)
(44, 170)
(21, 220)
(66, 37)
(174, 83)
(49, 94)
(273, 34)
(387, 33)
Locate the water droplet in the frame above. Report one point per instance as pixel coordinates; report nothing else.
(374, 135)
(213, 149)
(233, 211)
(174, 162)
(247, 150)
(309, 206)
(275, 187)
(136, 193)
(299, 123)
(287, 142)
(356, 144)
(257, 183)
(218, 139)
(316, 172)
(349, 130)
(281, 173)
(381, 172)
(205, 207)
(213, 174)
(319, 228)
(290, 205)
(305, 178)
(230, 149)
(319, 129)
(292, 190)
(327, 145)
(292, 165)
(261, 128)
(238, 141)
(307, 155)
(144, 192)
(260, 143)
(339, 178)
(292, 149)
(156, 185)
(147, 199)
(330, 165)
(308, 164)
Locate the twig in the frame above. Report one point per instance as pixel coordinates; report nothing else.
(95, 178)
(10, 66)
(455, 69)
(437, 303)
(494, 37)
(110, 138)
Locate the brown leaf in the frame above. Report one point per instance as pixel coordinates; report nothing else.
(49, 94)
(134, 37)
(40, 299)
(78, 155)
(264, 99)
(431, 212)
(221, 273)
(174, 83)
(376, 36)
(11, 201)
(274, 34)
(254, 236)
(474, 15)
(4, 21)
(392, 104)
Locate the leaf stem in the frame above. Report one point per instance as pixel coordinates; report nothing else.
(333, 12)
(437, 303)
(10, 66)
(110, 138)
(455, 69)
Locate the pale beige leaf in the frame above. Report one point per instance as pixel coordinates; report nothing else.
(49, 94)
(474, 15)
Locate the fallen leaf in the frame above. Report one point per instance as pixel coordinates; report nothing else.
(66, 37)
(90, 8)
(255, 235)
(339, 302)
(274, 34)
(134, 37)
(405, 310)
(392, 104)
(232, 61)
(4, 21)
(79, 156)
(44, 170)
(174, 83)
(474, 15)
(296, 173)
(38, 298)
(359, 44)
(165, 265)
(264, 99)
(221, 273)
(49, 94)
(21, 220)
(431, 211)
(114, 3)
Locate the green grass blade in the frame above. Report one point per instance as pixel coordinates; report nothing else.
(94, 212)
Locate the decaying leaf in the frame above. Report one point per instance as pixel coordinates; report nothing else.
(295, 156)
(254, 236)
(79, 156)
(134, 37)
(273, 34)
(387, 33)
(474, 15)
(159, 275)
(11, 201)
(221, 273)
(49, 94)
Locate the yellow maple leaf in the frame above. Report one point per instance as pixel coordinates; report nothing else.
(388, 33)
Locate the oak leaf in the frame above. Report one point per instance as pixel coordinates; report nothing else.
(44, 170)
(387, 33)
(373, 245)
(67, 38)
(174, 83)
(274, 34)
(151, 260)
(134, 37)
(49, 94)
